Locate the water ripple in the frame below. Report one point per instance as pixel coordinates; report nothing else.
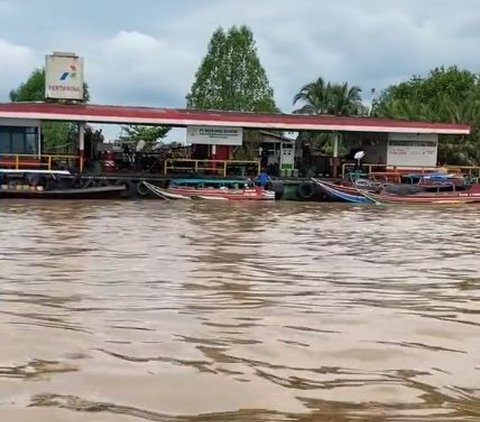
(165, 311)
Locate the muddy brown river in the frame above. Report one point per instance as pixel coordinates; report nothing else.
(176, 312)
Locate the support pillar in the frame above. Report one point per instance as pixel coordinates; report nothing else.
(335, 155)
(39, 141)
(81, 144)
(213, 156)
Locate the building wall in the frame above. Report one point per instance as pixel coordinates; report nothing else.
(20, 122)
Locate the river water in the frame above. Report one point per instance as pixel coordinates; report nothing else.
(172, 311)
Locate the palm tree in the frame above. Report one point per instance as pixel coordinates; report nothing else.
(406, 109)
(320, 97)
(345, 100)
(442, 108)
(314, 96)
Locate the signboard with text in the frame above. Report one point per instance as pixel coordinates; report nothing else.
(405, 150)
(64, 77)
(214, 135)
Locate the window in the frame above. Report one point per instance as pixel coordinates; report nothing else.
(18, 140)
(31, 143)
(4, 142)
(18, 143)
(395, 143)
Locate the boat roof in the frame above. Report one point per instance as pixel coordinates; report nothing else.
(432, 175)
(206, 180)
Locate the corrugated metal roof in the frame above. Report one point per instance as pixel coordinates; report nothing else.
(185, 117)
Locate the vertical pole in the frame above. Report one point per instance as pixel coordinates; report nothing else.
(335, 154)
(81, 143)
(281, 160)
(213, 164)
(39, 140)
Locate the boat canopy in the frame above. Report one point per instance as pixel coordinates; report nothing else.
(210, 182)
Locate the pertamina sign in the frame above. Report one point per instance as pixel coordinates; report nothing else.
(214, 135)
(64, 77)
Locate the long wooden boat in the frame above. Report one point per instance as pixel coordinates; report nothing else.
(50, 184)
(343, 193)
(470, 195)
(98, 192)
(212, 189)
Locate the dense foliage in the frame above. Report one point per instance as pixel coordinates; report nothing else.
(322, 97)
(230, 76)
(150, 135)
(448, 95)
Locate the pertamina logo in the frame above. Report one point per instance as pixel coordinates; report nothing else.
(68, 81)
(72, 74)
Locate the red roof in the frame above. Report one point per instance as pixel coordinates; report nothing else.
(184, 117)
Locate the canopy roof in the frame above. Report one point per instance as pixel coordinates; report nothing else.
(186, 117)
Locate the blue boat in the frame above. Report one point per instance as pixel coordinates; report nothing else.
(343, 193)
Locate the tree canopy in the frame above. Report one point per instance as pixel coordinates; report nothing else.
(230, 76)
(448, 95)
(149, 134)
(321, 97)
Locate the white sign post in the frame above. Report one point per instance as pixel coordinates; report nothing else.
(64, 77)
(214, 135)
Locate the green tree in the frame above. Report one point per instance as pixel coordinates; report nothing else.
(449, 95)
(149, 134)
(230, 76)
(314, 96)
(33, 89)
(321, 97)
(346, 100)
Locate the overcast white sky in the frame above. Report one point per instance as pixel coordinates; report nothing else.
(146, 52)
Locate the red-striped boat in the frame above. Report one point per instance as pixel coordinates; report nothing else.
(216, 189)
(467, 196)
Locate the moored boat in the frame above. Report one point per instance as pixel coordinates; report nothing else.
(467, 196)
(212, 189)
(342, 193)
(50, 184)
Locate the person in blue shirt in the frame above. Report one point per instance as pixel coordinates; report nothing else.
(263, 179)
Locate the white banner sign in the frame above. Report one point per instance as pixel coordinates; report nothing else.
(214, 135)
(412, 150)
(64, 77)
